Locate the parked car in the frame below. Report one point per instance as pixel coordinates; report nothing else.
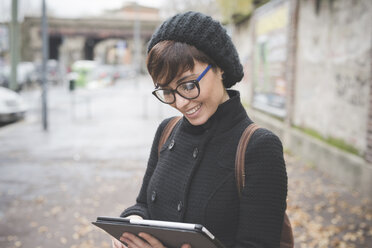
(4, 81)
(54, 74)
(12, 106)
(24, 75)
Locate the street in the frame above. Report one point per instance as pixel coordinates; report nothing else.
(91, 161)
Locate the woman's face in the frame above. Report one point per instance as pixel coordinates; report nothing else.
(212, 93)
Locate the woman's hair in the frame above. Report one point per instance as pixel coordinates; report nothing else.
(169, 59)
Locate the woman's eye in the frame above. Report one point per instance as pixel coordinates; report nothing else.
(167, 92)
(188, 86)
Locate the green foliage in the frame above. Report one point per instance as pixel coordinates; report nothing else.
(233, 10)
(259, 3)
(237, 11)
(343, 145)
(336, 142)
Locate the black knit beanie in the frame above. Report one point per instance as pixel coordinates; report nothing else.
(208, 36)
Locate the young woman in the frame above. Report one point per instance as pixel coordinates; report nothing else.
(193, 62)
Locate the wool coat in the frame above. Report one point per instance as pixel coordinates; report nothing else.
(193, 179)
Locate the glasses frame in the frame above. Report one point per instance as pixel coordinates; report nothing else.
(174, 91)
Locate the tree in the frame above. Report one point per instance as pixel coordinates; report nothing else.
(237, 11)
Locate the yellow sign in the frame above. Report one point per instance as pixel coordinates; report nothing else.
(276, 19)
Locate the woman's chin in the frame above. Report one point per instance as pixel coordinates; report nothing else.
(196, 121)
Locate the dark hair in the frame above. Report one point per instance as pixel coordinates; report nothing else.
(169, 59)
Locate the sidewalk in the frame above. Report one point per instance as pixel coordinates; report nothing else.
(323, 212)
(91, 162)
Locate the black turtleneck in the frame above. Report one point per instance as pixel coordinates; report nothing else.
(193, 179)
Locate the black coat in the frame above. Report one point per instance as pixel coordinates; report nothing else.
(193, 179)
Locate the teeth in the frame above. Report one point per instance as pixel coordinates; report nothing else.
(193, 110)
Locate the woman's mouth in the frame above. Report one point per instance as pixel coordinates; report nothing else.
(193, 110)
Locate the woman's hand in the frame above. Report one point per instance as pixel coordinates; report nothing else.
(116, 243)
(147, 241)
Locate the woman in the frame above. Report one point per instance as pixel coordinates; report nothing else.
(193, 62)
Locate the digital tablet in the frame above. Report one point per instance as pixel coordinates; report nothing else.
(171, 234)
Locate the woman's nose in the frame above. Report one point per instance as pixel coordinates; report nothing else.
(180, 101)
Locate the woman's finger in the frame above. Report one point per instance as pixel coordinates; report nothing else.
(154, 242)
(130, 243)
(117, 244)
(133, 241)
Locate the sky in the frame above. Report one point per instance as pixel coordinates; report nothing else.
(67, 8)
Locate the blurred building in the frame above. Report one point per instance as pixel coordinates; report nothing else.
(308, 76)
(113, 37)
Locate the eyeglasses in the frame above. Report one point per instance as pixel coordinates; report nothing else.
(188, 90)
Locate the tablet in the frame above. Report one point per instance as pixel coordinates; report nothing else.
(171, 234)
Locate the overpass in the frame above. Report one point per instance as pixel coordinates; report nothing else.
(72, 39)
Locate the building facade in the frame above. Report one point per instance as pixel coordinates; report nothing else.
(308, 69)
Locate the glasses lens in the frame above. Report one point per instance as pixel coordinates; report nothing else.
(188, 89)
(165, 95)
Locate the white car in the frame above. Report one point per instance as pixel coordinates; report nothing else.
(12, 106)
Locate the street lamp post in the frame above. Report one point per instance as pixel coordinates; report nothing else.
(137, 40)
(45, 48)
(14, 47)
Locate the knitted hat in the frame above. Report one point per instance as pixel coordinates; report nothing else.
(208, 36)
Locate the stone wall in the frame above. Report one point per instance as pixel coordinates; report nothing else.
(334, 69)
(328, 84)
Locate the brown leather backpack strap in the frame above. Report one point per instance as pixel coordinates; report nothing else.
(240, 156)
(286, 239)
(167, 131)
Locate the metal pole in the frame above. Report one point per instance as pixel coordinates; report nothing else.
(14, 48)
(138, 58)
(137, 40)
(45, 48)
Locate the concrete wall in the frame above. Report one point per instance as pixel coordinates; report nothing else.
(243, 38)
(351, 170)
(333, 69)
(329, 91)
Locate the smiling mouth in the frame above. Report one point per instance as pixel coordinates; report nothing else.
(193, 110)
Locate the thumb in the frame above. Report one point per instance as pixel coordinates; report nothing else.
(186, 246)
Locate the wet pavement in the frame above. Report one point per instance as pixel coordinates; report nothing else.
(91, 163)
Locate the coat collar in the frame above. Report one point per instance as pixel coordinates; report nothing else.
(226, 116)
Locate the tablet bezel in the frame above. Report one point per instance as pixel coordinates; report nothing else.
(168, 230)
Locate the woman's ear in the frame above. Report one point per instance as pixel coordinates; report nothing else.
(220, 72)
